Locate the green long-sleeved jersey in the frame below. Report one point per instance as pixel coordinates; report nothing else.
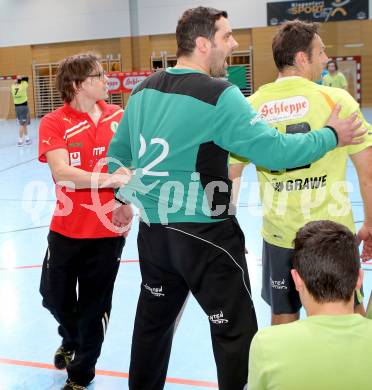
(177, 131)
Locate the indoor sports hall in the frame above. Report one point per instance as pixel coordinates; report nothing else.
(134, 38)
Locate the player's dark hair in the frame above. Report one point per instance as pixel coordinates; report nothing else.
(326, 258)
(291, 38)
(332, 62)
(194, 23)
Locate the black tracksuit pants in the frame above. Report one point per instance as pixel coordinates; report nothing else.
(208, 259)
(83, 316)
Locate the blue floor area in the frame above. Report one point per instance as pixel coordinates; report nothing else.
(28, 336)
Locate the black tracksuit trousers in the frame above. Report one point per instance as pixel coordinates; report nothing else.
(207, 259)
(83, 315)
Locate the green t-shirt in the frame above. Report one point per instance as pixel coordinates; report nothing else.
(19, 92)
(318, 353)
(177, 130)
(315, 191)
(337, 81)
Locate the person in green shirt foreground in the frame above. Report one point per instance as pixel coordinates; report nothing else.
(334, 78)
(330, 349)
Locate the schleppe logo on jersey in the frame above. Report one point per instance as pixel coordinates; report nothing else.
(284, 109)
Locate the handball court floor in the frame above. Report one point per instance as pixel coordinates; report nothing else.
(28, 335)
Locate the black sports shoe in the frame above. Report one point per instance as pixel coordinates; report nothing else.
(70, 385)
(62, 357)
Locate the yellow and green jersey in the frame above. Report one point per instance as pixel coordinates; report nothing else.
(316, 191)
(19, 92)
(337, 81)
(322, 352)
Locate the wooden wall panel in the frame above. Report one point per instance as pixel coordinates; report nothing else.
(141, 52)
(43, 54)
(349, 32)
(165, 42)
(17, 60)
(264, 70)
(366, 37)
(126, 54)
(328, 32)
(244, 38)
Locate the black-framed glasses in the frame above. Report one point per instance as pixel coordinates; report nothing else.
(100, 75)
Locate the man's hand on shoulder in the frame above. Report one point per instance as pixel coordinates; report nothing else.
(348, 130)
(365, 235)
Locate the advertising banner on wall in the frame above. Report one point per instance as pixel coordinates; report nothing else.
(317, 11)
(124, 82)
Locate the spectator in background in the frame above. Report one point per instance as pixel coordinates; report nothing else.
(19, 94)
(334, 78)
(331, 348)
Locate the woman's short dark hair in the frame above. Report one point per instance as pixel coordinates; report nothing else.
(194, 23)
(73, 71)
(326, 258)
(291, 38)
(333, 62)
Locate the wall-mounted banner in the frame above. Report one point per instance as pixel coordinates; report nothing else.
(124, 82)
(317, 11)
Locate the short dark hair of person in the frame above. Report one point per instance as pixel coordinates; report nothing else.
(333, 62)
(194, 23)
(326, 258)
(291, 38)
(73, 71)
(21, 78)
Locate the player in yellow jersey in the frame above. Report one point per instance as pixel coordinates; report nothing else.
(334, 78)
(19, 95)
(291, 198)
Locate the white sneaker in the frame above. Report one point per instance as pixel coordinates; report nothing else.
(20, 142)
(28, 141)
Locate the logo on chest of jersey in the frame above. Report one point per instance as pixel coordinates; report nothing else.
(285, 109)
(75, 159)
(309, 183)
(99, 151)
(114, 126)
(46, 141)
(75, 145)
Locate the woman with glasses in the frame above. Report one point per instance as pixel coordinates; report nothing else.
(87, 230)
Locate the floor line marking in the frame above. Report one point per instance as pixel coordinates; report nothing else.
(17, 165)
(117, 374)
